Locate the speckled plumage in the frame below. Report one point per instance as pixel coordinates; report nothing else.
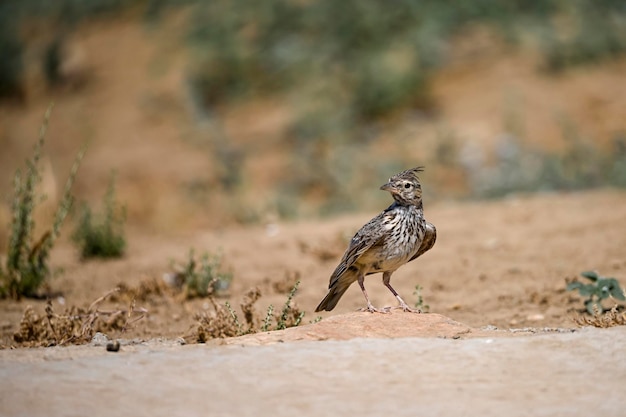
(396, 236)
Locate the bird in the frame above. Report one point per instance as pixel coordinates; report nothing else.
(396, 236)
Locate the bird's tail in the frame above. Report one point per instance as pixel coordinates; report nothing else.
(335, 292)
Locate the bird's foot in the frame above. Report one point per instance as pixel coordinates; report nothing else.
(373, 309)
(407, 309)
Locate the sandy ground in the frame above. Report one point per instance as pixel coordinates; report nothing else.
(502, 263)
(498, 263)
(572, 373)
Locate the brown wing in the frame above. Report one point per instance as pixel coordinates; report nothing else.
(368, 237)
(430, 236)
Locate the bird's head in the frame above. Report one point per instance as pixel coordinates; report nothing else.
(405, 187)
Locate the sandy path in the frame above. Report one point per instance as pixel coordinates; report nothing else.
(571, 374)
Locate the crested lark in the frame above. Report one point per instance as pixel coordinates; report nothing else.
(396, 236)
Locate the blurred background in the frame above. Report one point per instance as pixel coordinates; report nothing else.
(223, 112)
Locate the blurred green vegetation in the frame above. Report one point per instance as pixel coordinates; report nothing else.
(102, 235)
(11, 53)
(376, 56)
(28, 259)
(372, 58)
(351, 69)
(521, 168)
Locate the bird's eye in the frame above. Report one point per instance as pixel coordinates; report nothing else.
(407, 185)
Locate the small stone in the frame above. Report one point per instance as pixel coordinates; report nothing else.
(535, 317)
(113, 346)
(99, 339)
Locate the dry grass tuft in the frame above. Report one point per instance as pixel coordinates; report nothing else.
(223, 321)
(217, 324)
(75, 325)
(609, 318)
(78, 325)
(247, 307)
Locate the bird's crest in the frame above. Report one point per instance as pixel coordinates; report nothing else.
(409, 174)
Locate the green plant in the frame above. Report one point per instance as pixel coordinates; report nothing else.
(419, 304)
(224, 322)
(204, 279)
(289, 316)
(27, 259)
(599, 289)
(267, 322)
(104, 238)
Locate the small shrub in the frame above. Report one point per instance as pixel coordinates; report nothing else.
(289, 316)
(609, 318)
(220, 323)
(419, 304)
(599, 289)
(75, 325)
(27, 259)
(104, 239)
(223, 321)
(203, 280)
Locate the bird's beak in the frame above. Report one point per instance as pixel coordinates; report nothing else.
(387, 187)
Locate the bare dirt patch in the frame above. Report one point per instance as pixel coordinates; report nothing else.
(502, 263)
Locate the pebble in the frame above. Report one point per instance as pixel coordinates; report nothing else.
(113, 346)
(99, 339)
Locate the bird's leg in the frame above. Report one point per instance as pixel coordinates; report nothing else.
(403, 305)
(369, 307)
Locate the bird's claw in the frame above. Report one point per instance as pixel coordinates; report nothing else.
(407, 309)
(373, 309)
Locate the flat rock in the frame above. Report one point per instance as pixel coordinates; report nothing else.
(396, 324)
(559, 374)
